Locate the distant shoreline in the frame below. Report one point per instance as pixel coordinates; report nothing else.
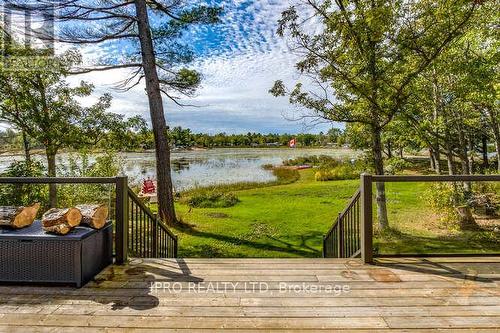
(179, 150)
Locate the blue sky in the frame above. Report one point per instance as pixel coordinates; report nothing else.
(239, 60)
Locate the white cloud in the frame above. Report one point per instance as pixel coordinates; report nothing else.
(241, 58)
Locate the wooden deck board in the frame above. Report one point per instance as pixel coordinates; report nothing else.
(410, 294)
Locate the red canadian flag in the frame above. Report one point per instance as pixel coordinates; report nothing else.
(292, 143)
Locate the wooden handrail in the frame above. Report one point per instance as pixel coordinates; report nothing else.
(343, 237)
(148, 212)
(123, 194)
(434, 178)
(352, 201)
(58, 180)
(366, 200)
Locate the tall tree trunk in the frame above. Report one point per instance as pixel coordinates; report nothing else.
(451, 165)
(464, 160)
(378, 163)
(498, 153)
(26, 147)
(51, 171)
(438, 106)
(493, 119)
(435, 157)
(431, 159)
(164, 180)
(389, 149)
(484, 150)
(471, 155)
(437, 160)
(449, 152)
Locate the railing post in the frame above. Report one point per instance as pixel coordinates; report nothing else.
(176, 246)
(340, 230)
(155, 237)
(324, 247)
(121, 242)
(366, 219)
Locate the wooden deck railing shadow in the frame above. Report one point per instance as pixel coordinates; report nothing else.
(136, 229)
(352, 232)
(449, 270)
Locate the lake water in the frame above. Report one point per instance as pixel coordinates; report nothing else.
(208, 167)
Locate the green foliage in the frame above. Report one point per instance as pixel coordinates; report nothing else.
(80, 165)
(340, 172)
(269, 222)
(212, 199)
(390, 47)
(215, 192)
(329, 168)
(45, 106)
(184, 137)
(395, 165)
(24, 194)
(443, 198)
(267, 166)
(314, 160)
(286, 175)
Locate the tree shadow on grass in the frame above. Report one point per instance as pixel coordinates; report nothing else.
(294, 249)
(393, 241)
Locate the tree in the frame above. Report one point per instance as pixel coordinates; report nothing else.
(42, 105)
(460, 88)
(128, 134)
(364, 59)
(159, 62)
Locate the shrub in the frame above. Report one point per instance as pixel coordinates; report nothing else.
(312, 160)
(449, 198)
(211, 199)
(267, 167)
(443, 198)
(24, 194)
(286, 175)
(344, 171)
(79, 165)
(394, 165)
(216, 196)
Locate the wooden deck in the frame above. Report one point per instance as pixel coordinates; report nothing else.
(266, 294)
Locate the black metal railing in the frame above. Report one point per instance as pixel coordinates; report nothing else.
(343, 240)
(156, 240)
(148, 237)
(367, 182)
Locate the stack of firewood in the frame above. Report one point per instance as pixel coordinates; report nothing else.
(63, 220)
(56, 220)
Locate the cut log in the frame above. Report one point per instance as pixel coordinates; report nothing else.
(61, 221)
(94, 215)
(18, 217)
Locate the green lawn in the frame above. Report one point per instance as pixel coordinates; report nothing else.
(416, 228)
(290, 221)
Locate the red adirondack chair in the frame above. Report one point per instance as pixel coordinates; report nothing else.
(148, 187)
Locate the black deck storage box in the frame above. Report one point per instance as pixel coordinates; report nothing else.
(31, 255)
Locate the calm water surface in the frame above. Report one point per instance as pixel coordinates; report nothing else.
(208, 167)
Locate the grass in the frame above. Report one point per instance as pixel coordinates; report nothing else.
(273, 221)
(416, 228)
(289, 219)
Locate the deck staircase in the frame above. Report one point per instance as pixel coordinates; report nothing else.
(343, 240)
(148, 235)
